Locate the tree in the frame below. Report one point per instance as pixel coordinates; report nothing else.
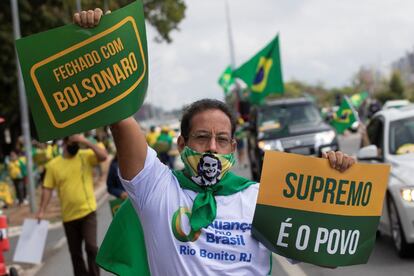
(396, 85)
(42, 15)
(164, 15)
(393, 89)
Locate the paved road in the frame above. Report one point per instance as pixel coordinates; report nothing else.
(383, 260)
(57, 262)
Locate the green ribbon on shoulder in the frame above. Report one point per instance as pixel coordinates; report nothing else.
(123, 250)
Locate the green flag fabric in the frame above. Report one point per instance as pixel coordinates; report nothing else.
(115, 204)
(358, 99)
(226, 80)
(78, 79)
(345, 116)
(123, 251)
(263, 73)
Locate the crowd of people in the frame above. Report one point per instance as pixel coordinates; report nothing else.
(13, 168)
(161, 140)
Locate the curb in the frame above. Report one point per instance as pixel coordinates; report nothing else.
(36, 268)
(99, 194)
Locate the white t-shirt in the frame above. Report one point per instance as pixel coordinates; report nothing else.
(225, 247)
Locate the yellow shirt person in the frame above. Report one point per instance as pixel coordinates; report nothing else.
(73, 180)
(71, 175)
(152, 136)
(14, 170)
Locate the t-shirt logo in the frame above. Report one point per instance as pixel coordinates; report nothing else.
(181, 222)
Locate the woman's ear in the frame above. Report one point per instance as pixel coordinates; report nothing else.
(180, 143)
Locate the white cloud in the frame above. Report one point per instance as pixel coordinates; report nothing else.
(321, 41)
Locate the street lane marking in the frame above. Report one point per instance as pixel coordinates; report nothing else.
(33, 271)
(59, 243)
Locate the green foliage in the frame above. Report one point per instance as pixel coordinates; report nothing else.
(386, 96)
(396, 85)
(293, 89)
(393, 89)
(322, 95)
(164, 15)
(42, 15)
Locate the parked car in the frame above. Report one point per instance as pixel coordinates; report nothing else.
(391, 134)
(290, 125)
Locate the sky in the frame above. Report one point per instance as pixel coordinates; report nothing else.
(321, 41)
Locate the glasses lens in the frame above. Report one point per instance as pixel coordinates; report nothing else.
(205, 138)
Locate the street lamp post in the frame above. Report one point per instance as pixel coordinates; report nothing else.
(232, 55)
(24, 113)
(78, 5)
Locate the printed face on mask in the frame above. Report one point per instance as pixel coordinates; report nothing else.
(206, 168)
(209, 167)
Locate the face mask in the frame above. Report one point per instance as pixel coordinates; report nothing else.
(206, 169)
(72, 148)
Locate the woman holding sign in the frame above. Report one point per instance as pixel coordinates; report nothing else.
(196, 221)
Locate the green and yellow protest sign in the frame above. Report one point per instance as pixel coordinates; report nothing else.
(78, 79)
(310, 212)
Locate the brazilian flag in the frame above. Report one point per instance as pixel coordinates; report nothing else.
(226, 79)
(358, 99)
(123, 251)
(263, 73)
(345, 116)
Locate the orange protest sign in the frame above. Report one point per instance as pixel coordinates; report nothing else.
(310, 184)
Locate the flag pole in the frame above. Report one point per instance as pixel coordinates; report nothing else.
(232, 54)
(106, 6)
(230, 37)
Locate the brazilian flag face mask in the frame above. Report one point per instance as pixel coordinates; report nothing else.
(206, 169)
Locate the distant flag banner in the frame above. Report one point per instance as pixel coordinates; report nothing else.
(79, 79)
(345, 116)
(358, 99)
(263, 73)
(226, 79)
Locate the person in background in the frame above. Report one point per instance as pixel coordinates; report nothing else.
(240, 139)
(163, 146)
(113, 184)
(71, 174)
(16, 174)
(152, 136)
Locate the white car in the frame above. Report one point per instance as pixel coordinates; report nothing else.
(395, 104)
(391, 134)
